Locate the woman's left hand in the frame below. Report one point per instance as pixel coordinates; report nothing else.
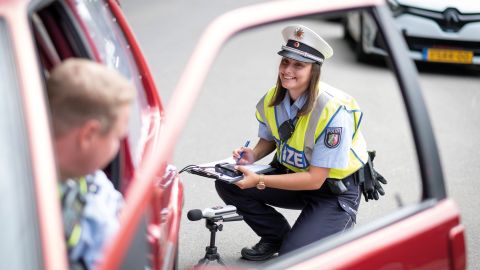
(250, 179)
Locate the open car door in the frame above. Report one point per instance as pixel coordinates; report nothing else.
(425, 233)
(422, 233)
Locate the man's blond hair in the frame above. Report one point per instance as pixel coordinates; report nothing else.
(80, 90)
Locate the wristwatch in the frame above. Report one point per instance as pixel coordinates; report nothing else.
(261, 182)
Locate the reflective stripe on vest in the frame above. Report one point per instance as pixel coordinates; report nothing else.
(72, 215)
(297, 152)
(74, 236)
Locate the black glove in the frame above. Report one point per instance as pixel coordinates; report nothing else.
(377, 188)
(371, 186)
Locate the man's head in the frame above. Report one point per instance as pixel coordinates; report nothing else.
(90, 106)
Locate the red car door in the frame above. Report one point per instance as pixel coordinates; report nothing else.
(427, 234)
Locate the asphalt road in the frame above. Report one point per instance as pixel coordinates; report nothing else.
(223, 117)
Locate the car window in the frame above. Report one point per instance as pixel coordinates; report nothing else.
(114, 51)
(18, 226)
(243, 72)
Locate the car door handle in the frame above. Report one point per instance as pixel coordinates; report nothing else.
(168, 178)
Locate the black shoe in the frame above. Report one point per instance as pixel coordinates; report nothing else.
(261, 251)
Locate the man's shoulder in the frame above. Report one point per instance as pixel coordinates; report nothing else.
(102, 193)
(100, 182)
(98, 177)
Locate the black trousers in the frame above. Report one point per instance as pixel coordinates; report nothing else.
(323, 213)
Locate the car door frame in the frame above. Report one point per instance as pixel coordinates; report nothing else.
(434, 206)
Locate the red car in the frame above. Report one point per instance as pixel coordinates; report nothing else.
(35, 36)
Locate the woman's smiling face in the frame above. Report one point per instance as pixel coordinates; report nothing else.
(294, 75)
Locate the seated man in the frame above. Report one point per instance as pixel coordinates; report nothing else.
(90, 106)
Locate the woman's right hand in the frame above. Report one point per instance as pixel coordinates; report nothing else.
(247, 157)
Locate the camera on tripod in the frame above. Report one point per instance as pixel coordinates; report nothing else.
(212, 216)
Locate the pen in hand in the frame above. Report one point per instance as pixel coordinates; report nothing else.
(241, 154)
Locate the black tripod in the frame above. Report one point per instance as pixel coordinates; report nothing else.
(211, 253)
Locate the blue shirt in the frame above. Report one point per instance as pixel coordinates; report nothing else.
(323, 156)
(99, 220)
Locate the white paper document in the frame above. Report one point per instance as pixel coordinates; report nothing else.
(208, 170)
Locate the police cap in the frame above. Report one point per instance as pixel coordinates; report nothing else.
(304, 45)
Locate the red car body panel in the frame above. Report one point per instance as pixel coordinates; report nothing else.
(419, 242)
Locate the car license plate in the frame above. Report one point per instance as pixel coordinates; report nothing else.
(448, 56)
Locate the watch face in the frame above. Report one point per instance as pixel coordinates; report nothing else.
(261, 185)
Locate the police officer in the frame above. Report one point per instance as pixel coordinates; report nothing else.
(314, 129)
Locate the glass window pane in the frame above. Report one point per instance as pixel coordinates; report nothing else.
(18, 226)
(115, 52)
(224, 118)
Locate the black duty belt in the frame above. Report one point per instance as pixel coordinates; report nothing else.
(336, 186)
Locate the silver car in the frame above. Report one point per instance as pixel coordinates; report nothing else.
(434, 30)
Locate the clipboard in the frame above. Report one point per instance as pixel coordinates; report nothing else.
(208, 170)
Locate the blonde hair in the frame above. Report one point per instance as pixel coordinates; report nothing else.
(312, 91)
(80, 90)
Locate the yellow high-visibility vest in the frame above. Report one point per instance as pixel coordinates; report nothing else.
(74, 232)
(296, 152)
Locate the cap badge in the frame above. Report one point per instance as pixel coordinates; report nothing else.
(296, 44)
(299, 33)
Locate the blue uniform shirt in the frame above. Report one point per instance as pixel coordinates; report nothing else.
(99, 220)
(322, 156)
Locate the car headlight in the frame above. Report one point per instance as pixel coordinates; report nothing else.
(395, 7)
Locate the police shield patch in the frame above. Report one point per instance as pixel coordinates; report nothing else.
(333, 135)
